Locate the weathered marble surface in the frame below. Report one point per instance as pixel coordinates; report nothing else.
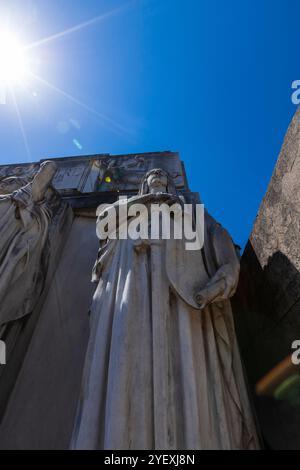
(161, 373)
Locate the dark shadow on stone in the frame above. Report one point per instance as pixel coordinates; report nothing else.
(266, 310)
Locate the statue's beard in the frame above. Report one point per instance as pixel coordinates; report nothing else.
(158, 188)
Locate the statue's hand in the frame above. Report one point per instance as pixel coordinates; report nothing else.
(154, 198)
(160, 198)
(42, 180)
(166, 198)
(210, 293)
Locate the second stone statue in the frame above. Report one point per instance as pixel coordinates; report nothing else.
(26, 209)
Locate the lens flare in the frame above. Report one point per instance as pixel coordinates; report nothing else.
(13, 61)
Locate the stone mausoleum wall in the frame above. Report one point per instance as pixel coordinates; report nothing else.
(267, 303)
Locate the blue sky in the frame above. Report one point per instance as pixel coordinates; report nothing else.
(210, 79)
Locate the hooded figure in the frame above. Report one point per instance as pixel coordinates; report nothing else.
(162, 368)
(25, 214)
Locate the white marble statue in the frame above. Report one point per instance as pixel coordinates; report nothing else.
(25, 214)
(162, 368)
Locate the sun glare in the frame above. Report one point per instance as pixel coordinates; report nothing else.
(13, 62)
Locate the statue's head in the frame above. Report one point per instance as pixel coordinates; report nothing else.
(157, 179)
(48, 168)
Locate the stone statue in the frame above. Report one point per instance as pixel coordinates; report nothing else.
(162, 368)
(25, 213)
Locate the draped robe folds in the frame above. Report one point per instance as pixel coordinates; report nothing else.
(159, 372)
(23, 234)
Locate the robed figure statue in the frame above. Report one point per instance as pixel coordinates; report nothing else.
(162, 368)
(26, 209)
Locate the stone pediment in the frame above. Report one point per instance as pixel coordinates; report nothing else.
(103, 172)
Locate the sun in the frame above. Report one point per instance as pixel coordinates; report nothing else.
(13, 60)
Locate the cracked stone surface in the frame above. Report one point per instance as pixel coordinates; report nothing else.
(277, 227)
